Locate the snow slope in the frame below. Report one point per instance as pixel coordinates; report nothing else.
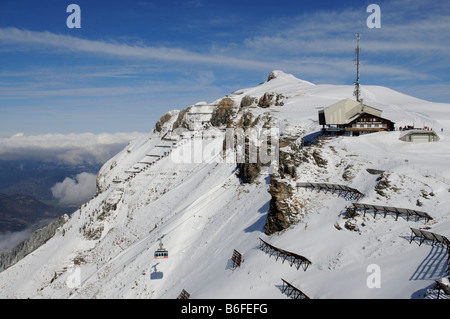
(202, 212)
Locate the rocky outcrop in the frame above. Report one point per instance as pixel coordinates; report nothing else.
(383, 184)
(443, 284)
(288, 163)
(249, 169)
(318, 159)
(223, 113)
(248, 172)
(249, 101)
(182, 122)
(348, 173)
(257, 145)
(37, 239)
(290, 156)
(165, 123)
(284, 209)
(272, 76)
(271, 99)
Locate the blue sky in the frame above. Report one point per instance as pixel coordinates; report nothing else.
(132, 61)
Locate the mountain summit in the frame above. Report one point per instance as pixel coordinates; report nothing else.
(233, 175)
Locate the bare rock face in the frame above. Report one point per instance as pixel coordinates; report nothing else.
(182, 122)
(271, 99)
(224, 112)
(383, 185)
(166, 121)
(248, 101)
(274, 74)
(289, 156)
(283, 210)
(248, 171)
(254, 156)
(319, 160)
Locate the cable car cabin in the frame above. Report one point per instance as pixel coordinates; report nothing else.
(161, 252)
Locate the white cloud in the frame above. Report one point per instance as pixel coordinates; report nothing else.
(317, 46)
(277, 44)
(75, 191)
(9, 240)
(47, 39)
(70, 149)
(408, 27)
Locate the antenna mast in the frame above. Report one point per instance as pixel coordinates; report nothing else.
(358, 51)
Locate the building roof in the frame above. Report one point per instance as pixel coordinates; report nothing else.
(408, 136)
(344, 110)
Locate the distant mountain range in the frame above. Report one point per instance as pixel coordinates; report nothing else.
(35, 178)
(18, 212)
(25, 192)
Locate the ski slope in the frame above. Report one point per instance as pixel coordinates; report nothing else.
(202, 213)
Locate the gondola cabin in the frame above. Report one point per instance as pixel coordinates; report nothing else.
(161, 253)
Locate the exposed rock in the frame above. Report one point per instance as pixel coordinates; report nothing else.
(351, 213)
(182, 122)
(290, 156)
(272, 76)
(348, 174)
(247, 120)
(444, 284)
(319, 160)
(248, 101)
(249, 170)
(271, 99)
(374, 171)
(223, 113)
(382, 185)
(93, 232)
(351, 225)
(257, 147)
(165, 123)
(283, 210)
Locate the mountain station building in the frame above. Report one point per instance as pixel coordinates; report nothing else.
(353, 118)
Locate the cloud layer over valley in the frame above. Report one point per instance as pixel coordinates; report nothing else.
(70, 149)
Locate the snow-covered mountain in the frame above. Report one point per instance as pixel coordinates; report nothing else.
(177, 185)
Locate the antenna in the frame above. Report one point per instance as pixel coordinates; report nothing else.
(358, 51)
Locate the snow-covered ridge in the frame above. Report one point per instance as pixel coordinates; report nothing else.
(202, 211)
